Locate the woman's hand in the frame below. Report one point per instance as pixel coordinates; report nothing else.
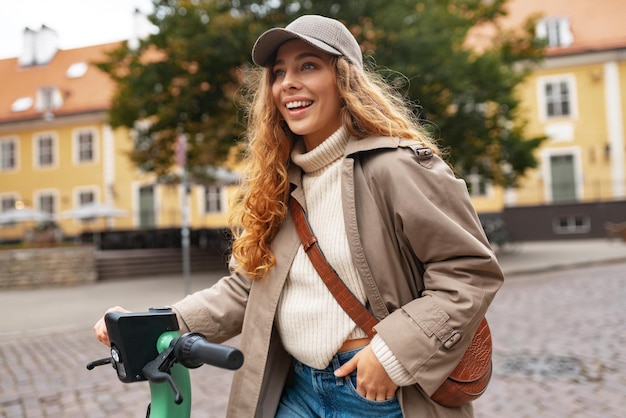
(100, 327)
(372, 380)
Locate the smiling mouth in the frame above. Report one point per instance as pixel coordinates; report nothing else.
(301, 104)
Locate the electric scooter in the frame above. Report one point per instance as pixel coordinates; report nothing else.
(149, 346)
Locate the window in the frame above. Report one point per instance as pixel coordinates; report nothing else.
(7, 154)
(47, 202)
(85, 146)
(44, 148)
(557, 97)
(571, 224)
(86, 197)
(212, 199)
(477, 185)
(7, 203)
(556, 31)
(48, 98)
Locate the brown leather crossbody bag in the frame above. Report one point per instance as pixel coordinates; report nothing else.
(470, 377)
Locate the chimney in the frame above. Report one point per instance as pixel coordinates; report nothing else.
(39, 46)
(142, 28)
(28, 48)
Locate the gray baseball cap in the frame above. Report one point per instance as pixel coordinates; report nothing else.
(327, 34)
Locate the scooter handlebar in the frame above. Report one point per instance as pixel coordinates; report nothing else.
(193, 350)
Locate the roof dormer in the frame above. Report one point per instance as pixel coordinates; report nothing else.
(48, 98)
(556, 31)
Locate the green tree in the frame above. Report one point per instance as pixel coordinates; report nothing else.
(181, 80)
(466, 96)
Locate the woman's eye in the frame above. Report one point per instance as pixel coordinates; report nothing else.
(279, 73)
(308, 66)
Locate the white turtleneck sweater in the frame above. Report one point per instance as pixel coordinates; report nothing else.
(311, 323)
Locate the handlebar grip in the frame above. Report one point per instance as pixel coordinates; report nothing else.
(193, 350)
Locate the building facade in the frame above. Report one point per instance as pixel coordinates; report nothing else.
(577, 99)
(58, 152)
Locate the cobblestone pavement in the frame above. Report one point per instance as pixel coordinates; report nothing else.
(45, 376)
(559, 351)
(559, 346)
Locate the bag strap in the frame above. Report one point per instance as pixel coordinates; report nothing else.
(346, 299)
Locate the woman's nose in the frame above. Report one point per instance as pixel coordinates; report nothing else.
(290, 82)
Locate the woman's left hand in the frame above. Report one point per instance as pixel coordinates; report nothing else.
(372, 380)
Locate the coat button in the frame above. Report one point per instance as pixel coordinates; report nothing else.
(454, 338)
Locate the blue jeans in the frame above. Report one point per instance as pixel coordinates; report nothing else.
(318, 393)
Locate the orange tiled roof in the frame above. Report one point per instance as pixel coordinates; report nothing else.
(595, 26)
(594, 46)
(90, 92)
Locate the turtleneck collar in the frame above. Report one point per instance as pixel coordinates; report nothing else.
(330, 150)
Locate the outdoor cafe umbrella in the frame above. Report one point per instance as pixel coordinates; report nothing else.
(24, 215)
(90, 211)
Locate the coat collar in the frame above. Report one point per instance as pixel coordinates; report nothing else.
(354, 146)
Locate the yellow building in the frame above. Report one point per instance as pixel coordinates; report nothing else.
(58, 152)
(577, 99)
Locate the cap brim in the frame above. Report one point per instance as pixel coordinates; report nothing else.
(265, 47)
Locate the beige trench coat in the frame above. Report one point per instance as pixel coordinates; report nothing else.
(398, 209)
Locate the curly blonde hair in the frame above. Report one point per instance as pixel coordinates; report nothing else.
(370, 107)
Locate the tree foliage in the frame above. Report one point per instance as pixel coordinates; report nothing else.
(464, 94)
(181, 80)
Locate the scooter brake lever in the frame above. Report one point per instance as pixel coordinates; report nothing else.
(157, 371)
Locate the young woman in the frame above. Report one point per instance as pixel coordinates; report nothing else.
(388, 214)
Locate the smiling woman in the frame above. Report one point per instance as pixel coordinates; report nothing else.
(305, 92)
(390, 219)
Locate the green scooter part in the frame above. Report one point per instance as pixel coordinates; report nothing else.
(163, 403)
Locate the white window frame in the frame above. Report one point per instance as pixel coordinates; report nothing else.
(48, 98)
(15, 144)
(76, 135)
(571, 227)
(8, 196)
(53, 193)
(568, 79)
(556, 30)
(37, 150)
(475, 181)
(80, 191)
(14, 197)
(214, 195)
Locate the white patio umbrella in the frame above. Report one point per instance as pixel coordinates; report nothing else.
(24, 215)
(91, 211)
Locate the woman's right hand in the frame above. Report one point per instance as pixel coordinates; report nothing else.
(100, 327)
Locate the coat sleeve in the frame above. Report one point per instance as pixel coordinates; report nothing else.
(218, 311)
(433, 217)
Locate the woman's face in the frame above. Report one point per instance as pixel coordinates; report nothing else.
(305, 92)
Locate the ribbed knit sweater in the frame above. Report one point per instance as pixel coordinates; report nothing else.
(311, 323)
